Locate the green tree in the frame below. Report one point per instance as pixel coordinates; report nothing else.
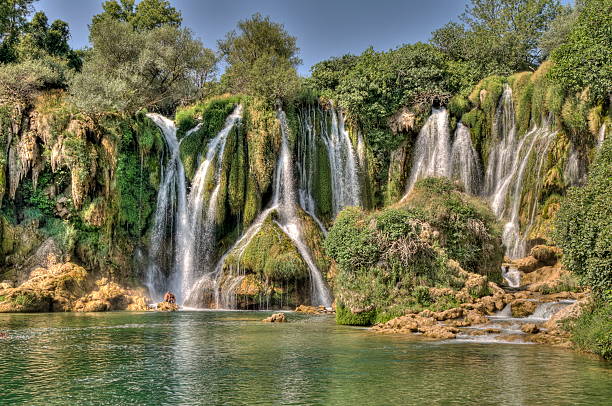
(497, 36)
(13, 18)
(583, 228)
(146, 15)
(129, 69)
(585, 59)
(262, 58)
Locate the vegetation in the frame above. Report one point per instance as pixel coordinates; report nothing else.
(262, 58)
(386, 260)
(591, 331)
(583, 229)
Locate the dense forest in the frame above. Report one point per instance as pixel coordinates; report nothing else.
(84, 166)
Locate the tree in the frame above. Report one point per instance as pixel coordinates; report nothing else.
(146, 15)
(559, 29)
(585, 59)
(129, 69)
(498, 36)
(13, 18)
(262, 58)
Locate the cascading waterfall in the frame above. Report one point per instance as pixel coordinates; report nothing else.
(346, 190)
(432, 150)
(170, 218)
(219, 286)
(181, 220)
(465, 164)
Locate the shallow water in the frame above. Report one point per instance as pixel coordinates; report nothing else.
(188, 358)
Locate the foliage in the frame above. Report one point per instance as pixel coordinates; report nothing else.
(497, 36)
(386, 260)
(583, 229)
(13, 19)
(21, 82)
(129, 69)
(591, 331)
(262, 58)
(585, 59)
(146, 15)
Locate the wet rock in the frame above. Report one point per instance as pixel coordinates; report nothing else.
(475, 317)
(454, 313)
(492, 331)
(276, 318)
(530, 328)
(167, 307)
(522, 308)
(307, 309)
(439, 332)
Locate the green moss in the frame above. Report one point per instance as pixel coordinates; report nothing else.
(345, 317)
(252, 203)
(322, 182)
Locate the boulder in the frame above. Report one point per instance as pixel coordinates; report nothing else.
(276, 318)
(545, 254)
(111, 296)
(167, 307)
(527, 264)
(307, 309)
(530, 328)
(522, 308)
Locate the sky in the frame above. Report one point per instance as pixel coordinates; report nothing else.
(324, 28)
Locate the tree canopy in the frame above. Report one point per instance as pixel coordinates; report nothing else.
(262, 59)
(146, 15)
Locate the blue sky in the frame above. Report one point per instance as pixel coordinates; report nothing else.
(324, 28)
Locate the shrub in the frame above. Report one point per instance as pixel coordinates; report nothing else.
(591, 331)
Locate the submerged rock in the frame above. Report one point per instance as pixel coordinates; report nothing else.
(529, 328)
(276, 318)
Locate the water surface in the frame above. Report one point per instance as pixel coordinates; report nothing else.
(189, 358)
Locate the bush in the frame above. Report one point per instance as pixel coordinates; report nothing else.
(591, 331)
(386, 260)
(583, 229)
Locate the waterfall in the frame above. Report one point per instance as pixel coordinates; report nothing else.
(432, 151)
(217, 288)
(182, 240)
(465, 164)
(170, 217)
(346, 190)
(344, 160)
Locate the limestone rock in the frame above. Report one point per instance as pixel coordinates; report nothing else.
(276, 318)
(527, 264)
(522, 308)
(545, 254)
(167, 307)
(530, 328)
(111, 296)
(307, 309)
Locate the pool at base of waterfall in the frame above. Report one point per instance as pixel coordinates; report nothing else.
(232, 357)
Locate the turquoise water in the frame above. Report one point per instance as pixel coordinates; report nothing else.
(189, 358)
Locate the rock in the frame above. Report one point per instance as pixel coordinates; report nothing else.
(522, 308)
(439, 331)
(167, 307)
(545, 254)
(530, 328)
(307, 309)
(276, 318)
(475, 317)
(569, 312)
(492, 331)
(111, 296)
(402, 121)
(454, 313)
(527, 264)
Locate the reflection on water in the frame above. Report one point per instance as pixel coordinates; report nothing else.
(234, 358)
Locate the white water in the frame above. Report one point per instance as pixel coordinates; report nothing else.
(190, 228)
(170, 216)
(512, 276)
(346, 190)
(432, 150)
(465, 164)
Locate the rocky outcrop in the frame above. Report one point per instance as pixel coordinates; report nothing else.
(276, 318)
(63, 287)
(413, 323)
(110, 296)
